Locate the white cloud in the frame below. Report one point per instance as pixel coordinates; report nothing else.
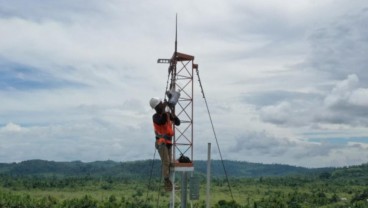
(276, 114)
(342, 91)
(346, 103)
(11, 127)
(87, 141)
(359, 97)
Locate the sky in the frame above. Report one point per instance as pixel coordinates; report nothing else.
(286, 81)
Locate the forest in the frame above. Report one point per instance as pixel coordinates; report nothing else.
(111, 184)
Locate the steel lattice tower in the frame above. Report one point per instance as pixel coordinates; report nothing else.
(182, 72)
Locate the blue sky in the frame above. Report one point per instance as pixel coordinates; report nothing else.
(286, 81)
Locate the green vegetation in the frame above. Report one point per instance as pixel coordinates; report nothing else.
(93, 185)
(140, 169)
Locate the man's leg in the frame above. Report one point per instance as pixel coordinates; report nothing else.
(165, 160)
(169, 152)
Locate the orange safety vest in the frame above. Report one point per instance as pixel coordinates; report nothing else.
(164, 132)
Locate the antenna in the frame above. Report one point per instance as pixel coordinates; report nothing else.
(176, 34)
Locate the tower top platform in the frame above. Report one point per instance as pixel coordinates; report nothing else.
(182, 167)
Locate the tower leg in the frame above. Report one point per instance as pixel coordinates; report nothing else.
(172, 200)
(184, 178)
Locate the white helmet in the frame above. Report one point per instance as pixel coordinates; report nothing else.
(154, 102)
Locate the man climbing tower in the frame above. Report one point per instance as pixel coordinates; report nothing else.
(163, 126)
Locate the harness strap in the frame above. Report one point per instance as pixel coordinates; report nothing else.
(166, 137)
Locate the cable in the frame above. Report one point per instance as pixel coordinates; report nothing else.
(158, 192)
(150, 177)
(149, 181)
(214, 132)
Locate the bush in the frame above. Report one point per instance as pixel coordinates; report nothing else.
(227, 204)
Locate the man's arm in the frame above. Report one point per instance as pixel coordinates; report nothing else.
(159, 119)
(175, 119)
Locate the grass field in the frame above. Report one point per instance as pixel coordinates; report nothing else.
(255, 193)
